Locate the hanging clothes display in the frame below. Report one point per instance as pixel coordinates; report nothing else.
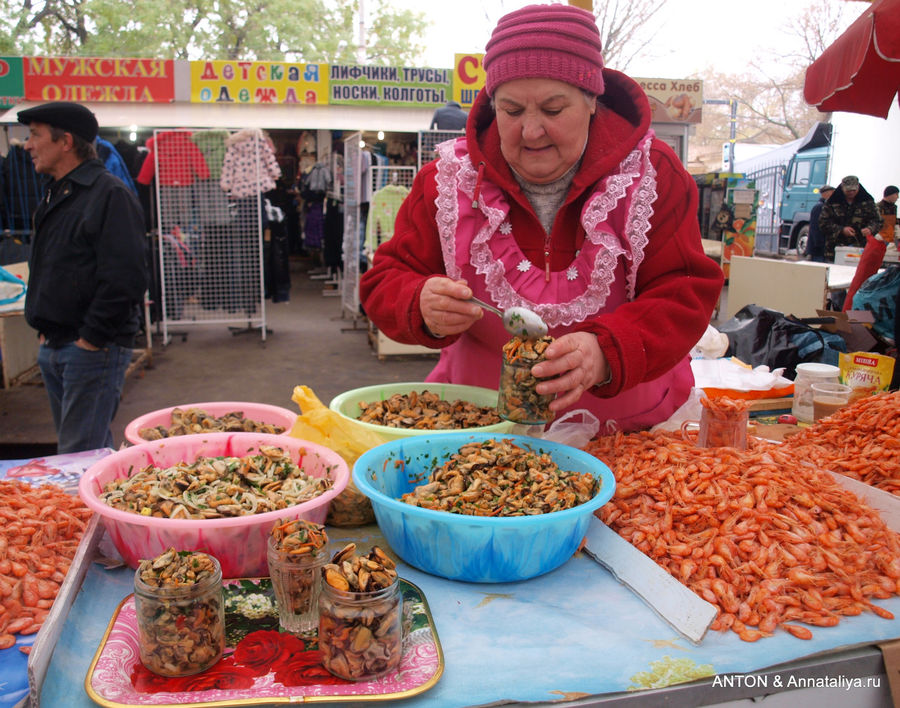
(250, 169)
(113, 162)
(180, 164)
(333, 234)
(313, 224)
(250, 166)
(133, 156)
(276, 270)
(212, 144)
(315, 183)
(209, 245)
(382, 212)
(22, 190)
(215, 218)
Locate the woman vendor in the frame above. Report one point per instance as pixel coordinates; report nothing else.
(559, 199)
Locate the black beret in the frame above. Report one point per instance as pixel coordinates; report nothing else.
(71, 117)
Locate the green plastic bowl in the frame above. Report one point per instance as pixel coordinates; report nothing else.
(347, 405)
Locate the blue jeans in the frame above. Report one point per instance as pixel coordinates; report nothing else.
(84, 388)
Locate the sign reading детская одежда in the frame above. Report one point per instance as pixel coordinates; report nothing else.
(270, 82)
(86, 79)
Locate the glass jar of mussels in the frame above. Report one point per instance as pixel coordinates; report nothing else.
(360, 615)
(296, 579)
(518, 400)
(180, 612)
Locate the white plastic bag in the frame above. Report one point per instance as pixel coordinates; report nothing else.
(712, 344)
(568, 431)
(688, 412)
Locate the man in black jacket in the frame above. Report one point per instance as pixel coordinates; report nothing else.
(815, 240)
(87, 275)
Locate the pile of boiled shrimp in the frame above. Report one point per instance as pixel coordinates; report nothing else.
(765, 534)
(40, 529)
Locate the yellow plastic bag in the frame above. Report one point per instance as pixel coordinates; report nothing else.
(319, 424)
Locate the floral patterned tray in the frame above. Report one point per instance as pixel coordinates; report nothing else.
(261, 664)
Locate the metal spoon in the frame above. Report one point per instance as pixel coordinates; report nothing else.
(517, 320)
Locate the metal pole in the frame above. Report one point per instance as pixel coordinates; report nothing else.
(732, 133)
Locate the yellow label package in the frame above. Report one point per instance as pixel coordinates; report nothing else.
(866, 372)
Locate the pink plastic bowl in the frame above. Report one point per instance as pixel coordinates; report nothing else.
(260, 412)
(239, 543)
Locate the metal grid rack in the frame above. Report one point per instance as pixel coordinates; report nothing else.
(430, 139)
(210, 242)
(390, 185)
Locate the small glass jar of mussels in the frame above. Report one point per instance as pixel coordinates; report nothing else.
(180, 612)
(360, 615)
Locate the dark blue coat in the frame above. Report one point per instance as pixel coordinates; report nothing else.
(815, 243)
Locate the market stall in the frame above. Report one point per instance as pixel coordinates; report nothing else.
(479, 643)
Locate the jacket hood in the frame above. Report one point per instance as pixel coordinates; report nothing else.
(245, 135)
(623, 117)
(837, 196)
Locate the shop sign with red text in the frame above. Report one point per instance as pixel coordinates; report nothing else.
(86, 79)
(468, 78)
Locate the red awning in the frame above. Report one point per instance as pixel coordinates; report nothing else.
(860, 71)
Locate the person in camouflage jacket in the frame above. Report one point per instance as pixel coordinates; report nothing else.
(849, 217)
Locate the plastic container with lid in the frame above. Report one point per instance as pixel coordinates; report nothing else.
(807, 375)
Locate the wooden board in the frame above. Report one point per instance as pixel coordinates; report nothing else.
(791, 287)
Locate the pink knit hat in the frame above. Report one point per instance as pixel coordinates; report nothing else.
(545, 41)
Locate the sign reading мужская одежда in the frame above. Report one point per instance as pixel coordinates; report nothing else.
(335, 84)
(87, 79)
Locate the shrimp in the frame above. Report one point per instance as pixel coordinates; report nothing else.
(37, 543)
(760, 533)
(859, 441)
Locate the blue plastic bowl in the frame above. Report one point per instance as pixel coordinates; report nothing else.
(473, 548)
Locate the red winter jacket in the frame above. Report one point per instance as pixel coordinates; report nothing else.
(180, 161)
(677, 285)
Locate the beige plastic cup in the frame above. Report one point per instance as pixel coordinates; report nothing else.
(828, 398)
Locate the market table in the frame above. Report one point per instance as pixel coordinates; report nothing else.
(573, 637)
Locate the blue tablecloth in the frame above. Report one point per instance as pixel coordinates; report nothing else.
(573, 632)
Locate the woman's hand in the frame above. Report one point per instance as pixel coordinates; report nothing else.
(445, 307)
(576, 363)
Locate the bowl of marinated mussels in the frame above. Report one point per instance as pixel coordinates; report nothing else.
(210, 417)
(411, 409)
(219, 493)
(482, 507)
